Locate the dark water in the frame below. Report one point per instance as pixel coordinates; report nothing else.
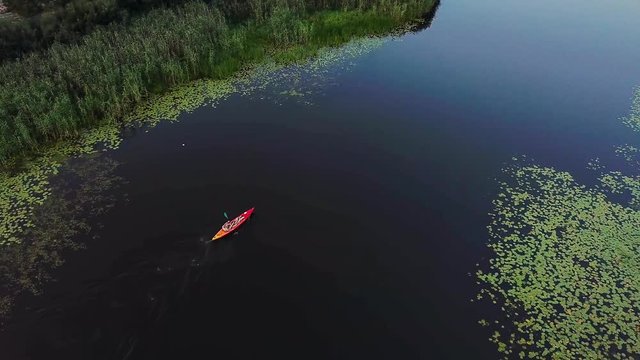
(371, 204)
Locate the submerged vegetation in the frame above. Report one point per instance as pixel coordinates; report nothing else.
(21, 193)
(565, 268)
(83, 192)
(54, 95)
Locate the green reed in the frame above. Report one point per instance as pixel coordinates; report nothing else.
(51, 96)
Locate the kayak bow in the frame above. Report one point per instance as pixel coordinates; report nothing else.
(231, 225)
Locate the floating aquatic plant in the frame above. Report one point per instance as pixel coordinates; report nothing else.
(629, 153)
(84, 190)
(185, 98)
(566, 268)
(617, 183)
(23, 191)
(300, 80)
(595, 164)
(633, 119)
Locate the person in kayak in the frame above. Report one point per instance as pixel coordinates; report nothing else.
(231, 224)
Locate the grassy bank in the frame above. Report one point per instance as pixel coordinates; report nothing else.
(52, 96)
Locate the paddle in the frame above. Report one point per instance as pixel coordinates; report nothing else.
(226, 216)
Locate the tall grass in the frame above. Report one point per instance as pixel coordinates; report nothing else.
(53, 95)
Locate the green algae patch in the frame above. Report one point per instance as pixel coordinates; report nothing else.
(565, 269)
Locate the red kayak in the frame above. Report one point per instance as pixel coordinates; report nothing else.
(231, 225)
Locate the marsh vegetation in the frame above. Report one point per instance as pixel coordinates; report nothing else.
(53, 95)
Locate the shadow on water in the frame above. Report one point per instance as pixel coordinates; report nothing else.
(179, 297)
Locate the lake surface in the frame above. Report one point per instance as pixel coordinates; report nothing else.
(371, 202)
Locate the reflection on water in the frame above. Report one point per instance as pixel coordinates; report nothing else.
(80, 193)
(427, 19)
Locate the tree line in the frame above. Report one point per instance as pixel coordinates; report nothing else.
(44, 22)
